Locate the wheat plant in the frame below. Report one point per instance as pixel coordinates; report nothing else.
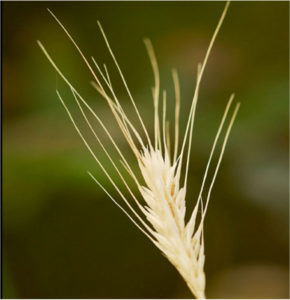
(160, 215)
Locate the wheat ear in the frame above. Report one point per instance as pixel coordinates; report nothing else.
(162, 218)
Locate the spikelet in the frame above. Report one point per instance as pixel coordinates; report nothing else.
(162, 217)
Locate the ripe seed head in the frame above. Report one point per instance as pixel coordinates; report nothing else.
(164, 194)
(165, 210)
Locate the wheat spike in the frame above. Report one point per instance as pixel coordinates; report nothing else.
(162, 217)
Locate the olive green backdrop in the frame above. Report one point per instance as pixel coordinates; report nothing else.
(62, 236)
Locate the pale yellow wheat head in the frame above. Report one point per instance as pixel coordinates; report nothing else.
(162, 217)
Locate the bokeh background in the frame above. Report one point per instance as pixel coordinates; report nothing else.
(62, 236)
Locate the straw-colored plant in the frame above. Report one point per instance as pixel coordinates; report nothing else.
(163, 220)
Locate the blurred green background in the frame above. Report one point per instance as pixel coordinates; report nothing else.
(62, 236)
